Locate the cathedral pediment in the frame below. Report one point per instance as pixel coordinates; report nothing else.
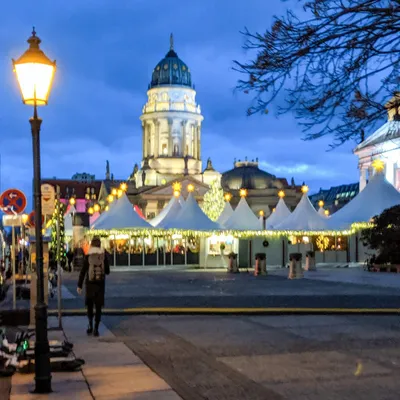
(183, 182)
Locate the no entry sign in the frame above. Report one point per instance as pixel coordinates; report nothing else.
(13, 201)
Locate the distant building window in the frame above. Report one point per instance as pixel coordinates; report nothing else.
(164, 149)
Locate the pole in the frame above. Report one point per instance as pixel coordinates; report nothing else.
(13, 268)
(172, 251)
(143, 253)
(115, 250)
(157, 255)
(59, 282)
(129, 251)
(185, 251)
(42, 350)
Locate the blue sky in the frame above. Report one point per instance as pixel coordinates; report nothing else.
(106, 51)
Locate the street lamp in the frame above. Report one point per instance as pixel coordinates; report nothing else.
(35, 73)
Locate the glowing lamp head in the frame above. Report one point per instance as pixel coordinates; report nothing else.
(24, 218)
(90, 210)
(177, 193)
(261, 213)
(110, 198)
(281, 194)
(378, 165)
(321, 203)
(227, 197)
(326, 212)
(190, 188)
(304, 189)
(243, 192)
(72, 201)
(35, 73)
(114, 192)
(274, 209)
(96, 208)
(124, 187)
(107, 208)
(120, 192)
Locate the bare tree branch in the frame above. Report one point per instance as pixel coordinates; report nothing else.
(337, 65)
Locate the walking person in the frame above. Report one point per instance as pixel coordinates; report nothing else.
(70, 258)
(95, 267)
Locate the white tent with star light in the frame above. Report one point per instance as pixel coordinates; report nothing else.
(192, 217)
(68, 226)
(243, 218)
(120, 216)
(172, 213)
(279, 215)
(164, 212)
(376, 197)
(304, 218)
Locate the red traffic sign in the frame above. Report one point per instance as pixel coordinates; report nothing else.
(13, 201)
(31, 219)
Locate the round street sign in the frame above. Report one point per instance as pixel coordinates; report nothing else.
(13, 201)
(31, 219)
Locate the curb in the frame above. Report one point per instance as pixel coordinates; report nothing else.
(233, 311)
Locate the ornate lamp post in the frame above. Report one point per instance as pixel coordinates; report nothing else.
(35, 73)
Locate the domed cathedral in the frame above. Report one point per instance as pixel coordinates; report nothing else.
(171, 138)
(262, 187)
(171, 125)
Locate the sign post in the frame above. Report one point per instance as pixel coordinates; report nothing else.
(13, 202)
(48, 199)
(59, 282)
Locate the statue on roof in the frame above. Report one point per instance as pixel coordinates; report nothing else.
(209, 165)
(292, 182)
(143, 178)
(171, 41)
(107, 169)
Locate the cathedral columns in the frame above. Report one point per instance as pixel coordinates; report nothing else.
(156, 138)
(198, 141)
(144, 139)
(170, 142)
(184, 152)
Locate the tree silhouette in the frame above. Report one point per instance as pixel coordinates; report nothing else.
(336, 66)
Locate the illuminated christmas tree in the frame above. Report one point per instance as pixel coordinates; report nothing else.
(213, 201)
(58, 216)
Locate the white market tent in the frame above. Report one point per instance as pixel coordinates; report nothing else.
(279, 215)
(121, 216)
(68, 227)
(304, 218)
(172, 214)
(182, 200)
(376, 197)
(164, 212)
(243, 218)
(321, 212)
(191, 217)
(227, 212)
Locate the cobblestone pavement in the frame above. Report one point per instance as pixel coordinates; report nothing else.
(268, 357)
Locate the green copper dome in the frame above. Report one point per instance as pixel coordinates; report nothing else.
(171, 70)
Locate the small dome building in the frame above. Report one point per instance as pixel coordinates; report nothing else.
(262, 187)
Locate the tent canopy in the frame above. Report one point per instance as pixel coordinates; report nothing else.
(304, 218)
(172, 214)
(164, 212)
(376, 197)
(281, 212)
(227, 212)
(243, 218)
(191, 217)
(121, 216)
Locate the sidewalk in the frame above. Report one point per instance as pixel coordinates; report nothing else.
(111, 371)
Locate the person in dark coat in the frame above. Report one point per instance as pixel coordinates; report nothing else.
(70, 258)
(95, 268)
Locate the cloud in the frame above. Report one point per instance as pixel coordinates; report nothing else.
(105, 53)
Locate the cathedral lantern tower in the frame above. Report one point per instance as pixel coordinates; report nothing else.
(171, 124)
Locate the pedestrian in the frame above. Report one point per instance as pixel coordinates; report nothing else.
(70, 257)
(95, 267)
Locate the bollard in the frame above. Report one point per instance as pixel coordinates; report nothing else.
(310, 261)
(233, 267)
(261, 264)
(296, 270)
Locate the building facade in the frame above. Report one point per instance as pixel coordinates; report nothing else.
(384, 145)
